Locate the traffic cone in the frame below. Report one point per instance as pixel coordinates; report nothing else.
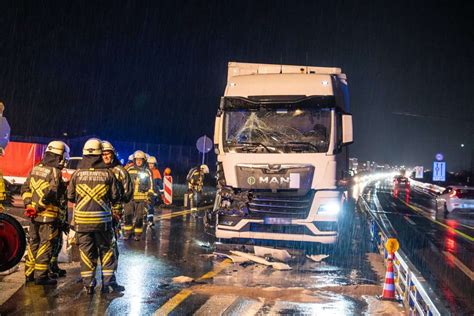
(389, 285)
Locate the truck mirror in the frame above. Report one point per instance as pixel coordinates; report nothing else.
(347, 137)
(217, 130)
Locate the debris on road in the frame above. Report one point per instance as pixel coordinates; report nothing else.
(317, 258)
(275, 265)
(277, 254)
(235, 259)
(182, 279)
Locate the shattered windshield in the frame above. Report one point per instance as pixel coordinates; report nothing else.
(286, 130)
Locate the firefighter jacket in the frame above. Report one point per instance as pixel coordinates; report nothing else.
(44, 189)
(93, 188)
(123, 180)
(195, 179)
(142, 181)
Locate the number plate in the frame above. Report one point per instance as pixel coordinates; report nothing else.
(276, 221)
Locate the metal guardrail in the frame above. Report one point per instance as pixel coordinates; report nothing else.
(427, 187)
(411, 287)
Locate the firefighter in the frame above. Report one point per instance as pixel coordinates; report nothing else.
(195, 179)
(142, 193)
(157, 187)
(93, 188)
(110, 159)
(42, 194)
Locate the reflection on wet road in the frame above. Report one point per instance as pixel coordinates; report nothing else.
(177, 246)
(442, 250)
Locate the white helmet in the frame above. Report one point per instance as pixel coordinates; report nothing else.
(204, 168)
(107, 146)
(92, 147)
(130, 158)
(57, 147)
(139, 155)
(151, 159)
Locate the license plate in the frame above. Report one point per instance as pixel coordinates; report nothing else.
(276, 221)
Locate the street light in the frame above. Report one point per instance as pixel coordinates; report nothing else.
(462, 145)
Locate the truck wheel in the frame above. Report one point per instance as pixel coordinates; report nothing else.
(12, 242)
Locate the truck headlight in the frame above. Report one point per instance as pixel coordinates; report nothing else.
(329, 208)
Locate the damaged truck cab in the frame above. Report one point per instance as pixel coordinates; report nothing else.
(280, 136)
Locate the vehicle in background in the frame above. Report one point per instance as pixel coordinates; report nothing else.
(280, 135)
(456, 199)
(16, 163)
(70, 168)
(400, 184)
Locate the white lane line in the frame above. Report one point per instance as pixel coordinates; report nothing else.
(460, 265)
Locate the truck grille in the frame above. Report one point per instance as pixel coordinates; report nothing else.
(280, 205)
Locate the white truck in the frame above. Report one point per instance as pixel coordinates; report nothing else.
(280, 136)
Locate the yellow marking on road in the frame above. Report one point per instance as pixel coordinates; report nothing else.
(460, 265)
(173, 302)
(419, 210)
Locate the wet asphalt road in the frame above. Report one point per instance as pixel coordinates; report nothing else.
(178, 246)
(346, 283)
(441, 249)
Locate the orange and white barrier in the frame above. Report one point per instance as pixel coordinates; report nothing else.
(168, 190)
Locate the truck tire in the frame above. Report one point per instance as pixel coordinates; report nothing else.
(12, 242)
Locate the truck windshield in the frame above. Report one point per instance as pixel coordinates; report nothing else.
(278, 130)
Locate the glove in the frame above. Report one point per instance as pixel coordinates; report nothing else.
(2, 208)
(30, 211)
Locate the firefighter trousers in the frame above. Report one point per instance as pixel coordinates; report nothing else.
(57, 245)
(92, 247)
(40, 249)
(133, 215)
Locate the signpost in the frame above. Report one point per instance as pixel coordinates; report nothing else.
(204, 145)
(439, 171)
(419, 172)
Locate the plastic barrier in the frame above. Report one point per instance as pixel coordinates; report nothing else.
(168, 190)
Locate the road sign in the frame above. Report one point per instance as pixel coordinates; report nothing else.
(439, 171)
(419, 172)
(204, 144)
(439, 157)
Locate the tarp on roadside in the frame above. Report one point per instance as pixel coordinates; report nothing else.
(20, 158)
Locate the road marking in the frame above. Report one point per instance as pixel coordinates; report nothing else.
(409, 220)
(460, 265)
(172, 303)
(460, 233)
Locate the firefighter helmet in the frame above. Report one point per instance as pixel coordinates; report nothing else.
(92, 147)
(107, 146)
(151, 159)
(204, 168)
(130, 158)
(139, 155)
(57, 147)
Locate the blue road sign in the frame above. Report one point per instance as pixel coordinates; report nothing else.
(439, 171)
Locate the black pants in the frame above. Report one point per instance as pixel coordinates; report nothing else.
(93, 246)
(40, 248)
(57, 245)
(133, 214)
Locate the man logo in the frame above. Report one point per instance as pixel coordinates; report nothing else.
(251, 180)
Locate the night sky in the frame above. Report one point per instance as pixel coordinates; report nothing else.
(154, 71)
